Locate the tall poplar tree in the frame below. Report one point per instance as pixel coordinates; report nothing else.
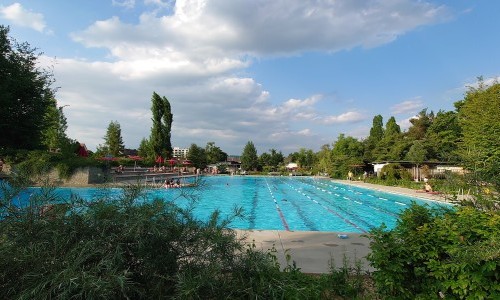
(376, 134)
(167, 126)
(162, 126)
(390, 148)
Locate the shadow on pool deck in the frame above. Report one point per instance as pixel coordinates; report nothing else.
(312, 250)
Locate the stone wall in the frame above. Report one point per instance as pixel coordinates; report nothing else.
(81, 177)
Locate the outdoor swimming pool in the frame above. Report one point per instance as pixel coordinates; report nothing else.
(286, 203)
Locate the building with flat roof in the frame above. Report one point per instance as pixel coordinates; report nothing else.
(235, 158)
(180, 152)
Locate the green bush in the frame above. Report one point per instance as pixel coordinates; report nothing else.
(128, 247)
(107, 248)
(451, 254)
(38, 163)
(393, 172)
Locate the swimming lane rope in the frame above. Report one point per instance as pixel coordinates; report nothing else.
(282, 217)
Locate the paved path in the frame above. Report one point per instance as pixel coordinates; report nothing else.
(311, 250)
(395, 190)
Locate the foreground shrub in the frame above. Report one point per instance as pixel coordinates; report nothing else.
(438, 254)
(127, 247)
(110, 248)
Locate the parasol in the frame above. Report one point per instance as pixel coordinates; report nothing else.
(135, 158)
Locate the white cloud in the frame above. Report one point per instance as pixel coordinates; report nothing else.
(160, 3)
(486, 82)
(348, 117)
(405, 124)
(22, 17)
(294, 104)
(196, 55)
(408, 106)
(124, 3)
(261, 27)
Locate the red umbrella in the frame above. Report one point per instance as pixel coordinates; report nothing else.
(159, 159)
(186, 162)
(135, 158)
(172, 161)
(108, 158)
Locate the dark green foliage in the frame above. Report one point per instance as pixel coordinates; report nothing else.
(324, 156)
(214, 154)
(479, 118)
(113, 142)
(25, 95)
(271, 161)
(108, 249)
(347, 153)
(162, 125)
(451, 254)
(305, 158)
(197, 156)
(417, 153)
(249, 158)
(376, 135)
(168, 118)
(145, 150)
(394, 172)
(391, 146)
(54, 135)
(37, 163)
(443, 136)
(420, 124)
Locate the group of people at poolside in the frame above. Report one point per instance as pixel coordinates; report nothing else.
(170, 183)
(158, 169)
(350, 176)
(120, 169)
(163, 169)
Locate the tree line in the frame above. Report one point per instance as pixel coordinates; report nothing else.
(467, 136)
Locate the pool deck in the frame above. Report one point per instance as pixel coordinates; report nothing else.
(395, 190)
(313, 251)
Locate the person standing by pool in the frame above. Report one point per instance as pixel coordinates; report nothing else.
(349, 175)
(427, 187)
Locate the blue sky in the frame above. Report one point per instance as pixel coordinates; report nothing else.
(283, 74)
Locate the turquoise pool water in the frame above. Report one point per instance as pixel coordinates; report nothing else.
(285, 203)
